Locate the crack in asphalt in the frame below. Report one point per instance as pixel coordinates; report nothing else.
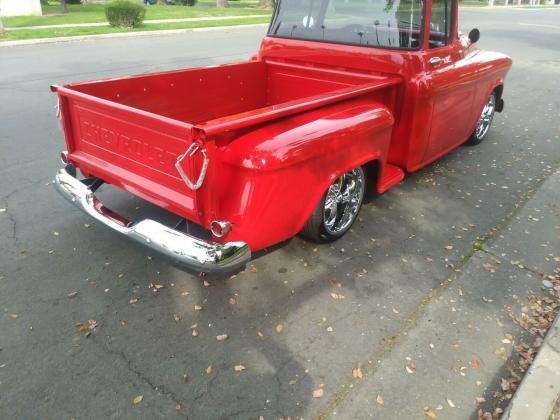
(11, 218)
(160, 389)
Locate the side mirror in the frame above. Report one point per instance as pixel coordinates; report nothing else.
(474, 36)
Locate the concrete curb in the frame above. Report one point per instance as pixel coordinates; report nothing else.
(147, 22)
(125, 35)
(540, 389)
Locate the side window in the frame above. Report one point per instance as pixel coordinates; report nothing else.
(440, 23)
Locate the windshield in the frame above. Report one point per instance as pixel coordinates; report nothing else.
(374, 23)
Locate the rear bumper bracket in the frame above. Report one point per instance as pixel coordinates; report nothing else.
(195, 253)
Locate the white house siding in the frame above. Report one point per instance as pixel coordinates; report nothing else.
(20, 7)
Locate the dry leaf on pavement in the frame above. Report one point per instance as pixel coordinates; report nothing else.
(222, 337)
(380, 400)
(138, 399)
(428, 412)
(318, 393)
(279, 328)
(239, 368)
(357, 373)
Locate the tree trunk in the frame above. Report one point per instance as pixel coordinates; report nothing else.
(161, 2)
(266, 4)
(63, 6)
(221, 3)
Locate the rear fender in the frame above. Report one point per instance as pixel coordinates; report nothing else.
(281, 171)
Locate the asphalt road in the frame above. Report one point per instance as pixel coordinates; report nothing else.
(389, 268)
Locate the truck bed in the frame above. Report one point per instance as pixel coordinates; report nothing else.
(130, 131)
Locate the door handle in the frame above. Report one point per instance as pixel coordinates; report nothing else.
(436, 61)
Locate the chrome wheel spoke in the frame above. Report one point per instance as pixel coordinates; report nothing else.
(486, 117)
(343, 201)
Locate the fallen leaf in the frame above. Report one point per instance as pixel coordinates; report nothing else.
(480, 400)
(411, 367)
(448, 247)
(239, 368)
(475, 363)
(318, 393)
(185, 293)
(450, 403)
(185, 378)
(232, 301)
(380, 400)
(176, 317)
(396, 311)
(357, 373)
(279, 328)
(72, 295)
(198, 307)
(194, 332)
(222, 337)
(209, 369)
(138, 399)
(260, 334)
(253, 269)
(489, 267)
(14, 316)
(88, 328)
(428, 412)
(206, 283)
(506, 386)
(133, 301)
(337, 296)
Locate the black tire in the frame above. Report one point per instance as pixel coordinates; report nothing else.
(484, 122)
(327, 224)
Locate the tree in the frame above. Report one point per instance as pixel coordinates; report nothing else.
(222, 3)
(265, 4)
(63, 6)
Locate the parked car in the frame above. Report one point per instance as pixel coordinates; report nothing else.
(344, 96)
(151, 2)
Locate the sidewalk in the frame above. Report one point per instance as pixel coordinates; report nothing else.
(475, 361)
(148, 22)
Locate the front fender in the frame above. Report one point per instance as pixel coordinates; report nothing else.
(281, 170)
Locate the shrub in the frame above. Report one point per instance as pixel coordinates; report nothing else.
(187, 2)
(73, 1)
(124, 13)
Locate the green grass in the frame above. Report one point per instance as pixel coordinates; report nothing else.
(92, 13)
(63, 32)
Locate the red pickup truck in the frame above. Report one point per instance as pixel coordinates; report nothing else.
(343, 96)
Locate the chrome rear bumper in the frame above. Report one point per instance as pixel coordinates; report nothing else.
(195, 253)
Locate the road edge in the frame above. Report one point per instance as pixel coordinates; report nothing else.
(539, 391)
(124, 35)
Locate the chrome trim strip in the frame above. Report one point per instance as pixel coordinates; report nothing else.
(195, 253)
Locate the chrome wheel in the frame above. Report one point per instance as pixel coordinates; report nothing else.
(343, 201)
(486, 118)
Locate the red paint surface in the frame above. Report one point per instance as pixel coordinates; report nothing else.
(279, 128)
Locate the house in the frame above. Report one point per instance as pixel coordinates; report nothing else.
(20, 7)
